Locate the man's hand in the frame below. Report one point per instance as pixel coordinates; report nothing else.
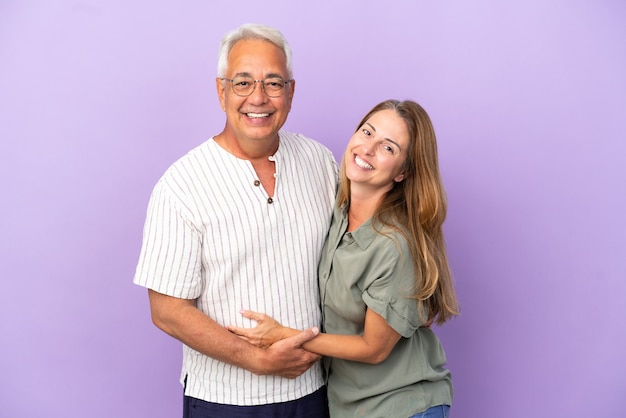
(287, 358)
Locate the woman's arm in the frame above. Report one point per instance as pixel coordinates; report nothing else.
(372, 347)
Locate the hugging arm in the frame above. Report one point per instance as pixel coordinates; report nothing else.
(182, 320)
(372, 347)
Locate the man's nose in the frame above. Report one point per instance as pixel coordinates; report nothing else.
(258, 94)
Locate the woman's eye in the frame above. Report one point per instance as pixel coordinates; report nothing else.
(366, 132)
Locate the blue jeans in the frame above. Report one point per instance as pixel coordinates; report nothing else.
(440, 411)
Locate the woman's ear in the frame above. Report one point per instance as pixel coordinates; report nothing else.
(399, 177)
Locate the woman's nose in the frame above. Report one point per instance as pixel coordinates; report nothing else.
(367, 148)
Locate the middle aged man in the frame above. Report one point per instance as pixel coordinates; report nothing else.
(240, 222)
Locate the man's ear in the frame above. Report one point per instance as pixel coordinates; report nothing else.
(221, 93)
(292, 89)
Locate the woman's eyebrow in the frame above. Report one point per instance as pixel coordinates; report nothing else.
(386, 139)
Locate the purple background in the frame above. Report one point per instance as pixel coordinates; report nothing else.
(528, 100)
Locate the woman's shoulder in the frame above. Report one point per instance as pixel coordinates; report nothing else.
(390, 233)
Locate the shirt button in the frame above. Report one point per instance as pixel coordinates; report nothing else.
(257, 183)
(270, 200)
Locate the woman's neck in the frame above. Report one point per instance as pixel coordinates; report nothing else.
(360, 210)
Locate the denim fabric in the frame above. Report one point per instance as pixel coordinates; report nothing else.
(440, 411)
(314, 405)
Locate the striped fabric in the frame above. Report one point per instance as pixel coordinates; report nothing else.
(212, 235)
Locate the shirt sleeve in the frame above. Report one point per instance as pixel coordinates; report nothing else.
(170, 258)
(389, 293)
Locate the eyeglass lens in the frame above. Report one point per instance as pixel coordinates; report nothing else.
(244, 86)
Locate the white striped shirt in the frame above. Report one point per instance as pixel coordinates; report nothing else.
(211, 235)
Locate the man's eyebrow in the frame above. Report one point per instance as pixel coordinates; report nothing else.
(275, 75)
(386, 139)
(271, 75)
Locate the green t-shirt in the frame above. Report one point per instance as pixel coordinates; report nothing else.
(363, 269)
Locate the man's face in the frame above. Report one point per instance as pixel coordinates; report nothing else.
(257, 116)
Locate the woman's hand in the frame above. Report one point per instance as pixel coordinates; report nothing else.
(266, 332)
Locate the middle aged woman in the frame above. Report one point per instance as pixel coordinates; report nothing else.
(384, 275)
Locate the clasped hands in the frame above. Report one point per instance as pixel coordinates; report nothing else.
(267, 331)
(286, 355)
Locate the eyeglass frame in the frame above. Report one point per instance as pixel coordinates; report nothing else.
(254, 84)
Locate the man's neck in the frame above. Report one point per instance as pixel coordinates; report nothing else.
(248, 149)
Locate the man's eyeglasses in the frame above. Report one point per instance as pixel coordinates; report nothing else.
(244, 86)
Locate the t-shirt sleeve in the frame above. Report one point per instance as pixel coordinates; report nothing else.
(170, 258)
(389, 293)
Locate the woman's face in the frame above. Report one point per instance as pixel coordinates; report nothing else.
(377, 151)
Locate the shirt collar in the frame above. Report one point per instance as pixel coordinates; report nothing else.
(364, 235)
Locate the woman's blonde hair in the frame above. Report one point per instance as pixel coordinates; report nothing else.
(416, 207)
